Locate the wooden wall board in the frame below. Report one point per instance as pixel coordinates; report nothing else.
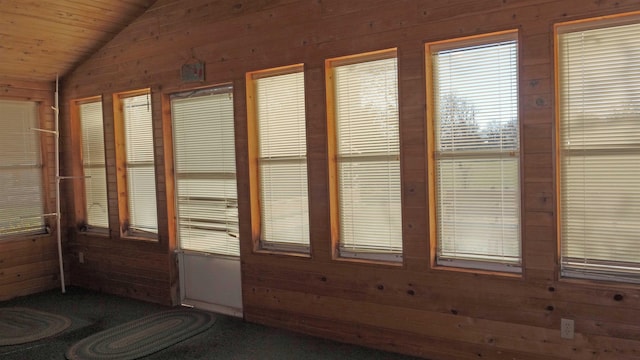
(412, 308)
(29, 264)
(42, 39)
(340, 330)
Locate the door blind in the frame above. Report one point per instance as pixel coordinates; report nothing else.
(205, 171)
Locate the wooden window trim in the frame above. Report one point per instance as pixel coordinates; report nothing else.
(560, 28)
(169, 170)
(48, 167)
(253, 152)
(332, 156)
(79, 191)
(121, 173)
(47, 170)
(332, 152)
(594, 23)
(430, 48)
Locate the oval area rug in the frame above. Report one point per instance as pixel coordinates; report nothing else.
(142, 337)
(22, 325)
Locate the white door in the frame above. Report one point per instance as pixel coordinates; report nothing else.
(206, 200)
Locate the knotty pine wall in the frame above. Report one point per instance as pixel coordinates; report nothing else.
(138, 269)
(30, 264)
(413, 309)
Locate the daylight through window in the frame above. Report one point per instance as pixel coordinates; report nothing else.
(363, 90)
(476, 151)
(599, 148)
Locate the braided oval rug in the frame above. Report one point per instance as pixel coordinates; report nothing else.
(142, 337)
(22, 325)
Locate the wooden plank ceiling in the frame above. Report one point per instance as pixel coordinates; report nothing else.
(42, 38)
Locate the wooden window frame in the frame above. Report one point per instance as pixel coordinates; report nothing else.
(77, 171)
(171, 172)
(121, 172)
(47, 171)
(589, 275)
(254, 172)
(386, 259)
(430, 48)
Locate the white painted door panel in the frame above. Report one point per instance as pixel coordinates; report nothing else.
(211, 282)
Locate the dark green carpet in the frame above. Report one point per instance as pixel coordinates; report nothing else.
(228, 338)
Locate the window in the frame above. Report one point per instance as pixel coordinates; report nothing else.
(21, 193)
(276, 101)
(95, 208)
(136, 170)
(599, 148)
(205, 171)
(475, 152)
(364, 153)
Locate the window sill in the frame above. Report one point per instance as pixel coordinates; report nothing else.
(282, 253)
(140, 236)
(601, 284)
(99, 232)
(372, 262)
(505, 274)
(24, 237)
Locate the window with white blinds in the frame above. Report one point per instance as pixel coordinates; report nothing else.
(21, 193)
(365, 115)
(599, 143)
(282, 159)
(93, 164)
(476, 152)
(205, 171)
(140, 168)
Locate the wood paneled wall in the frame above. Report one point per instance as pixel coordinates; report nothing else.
(139, 269)
(411, 309)
(30, 264)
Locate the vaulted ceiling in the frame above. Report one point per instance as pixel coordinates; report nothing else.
(40, 39)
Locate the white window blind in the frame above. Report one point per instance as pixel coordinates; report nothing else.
(21, 193)
(368, 159)
(205, 171)
(599, 103)
(475, 99)
(93, 164)
(141, 183)
(282, 161)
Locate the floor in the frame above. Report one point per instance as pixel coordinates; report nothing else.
(229, 338)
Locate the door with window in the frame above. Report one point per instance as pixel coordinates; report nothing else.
(206, 199)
